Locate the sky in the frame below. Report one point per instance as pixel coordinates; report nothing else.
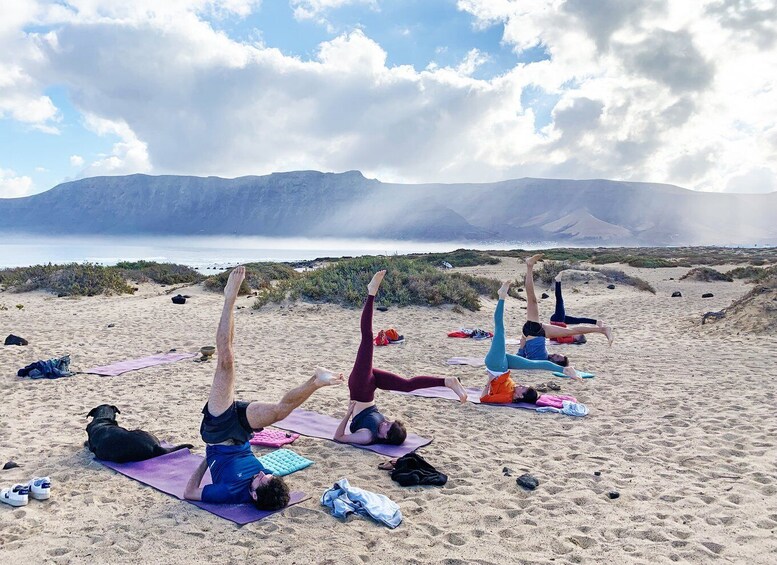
(683, 93)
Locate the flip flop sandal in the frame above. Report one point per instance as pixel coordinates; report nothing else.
(541, 388)
(553, 386)
(387, 465)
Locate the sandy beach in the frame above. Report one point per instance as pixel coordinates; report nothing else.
(682, 424)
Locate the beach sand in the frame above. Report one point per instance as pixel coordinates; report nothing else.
(682, 425)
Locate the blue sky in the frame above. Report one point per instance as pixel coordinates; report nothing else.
(403, 90)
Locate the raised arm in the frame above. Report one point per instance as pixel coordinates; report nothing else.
(193, 490)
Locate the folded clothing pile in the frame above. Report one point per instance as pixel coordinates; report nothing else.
(474, 333)
(386, 337)
(51, 369)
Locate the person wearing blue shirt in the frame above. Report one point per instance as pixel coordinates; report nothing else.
(228, 425)
(534, 333)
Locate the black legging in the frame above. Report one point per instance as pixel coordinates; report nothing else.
(560, 316)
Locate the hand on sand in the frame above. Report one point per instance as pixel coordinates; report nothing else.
(531, 261)
(455, 385)
(325, 377)
(502, 292)
(235, 280)
(572, 373)
(607, 331)
(374, 285)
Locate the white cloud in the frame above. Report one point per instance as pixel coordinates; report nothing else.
(13, 185)
(315, 9)
(130, 155)
(647, 90)
(76, 160)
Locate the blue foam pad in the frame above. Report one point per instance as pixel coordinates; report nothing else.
(581, 373)
(282, 462)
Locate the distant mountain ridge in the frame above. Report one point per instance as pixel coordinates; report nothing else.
(314, 204)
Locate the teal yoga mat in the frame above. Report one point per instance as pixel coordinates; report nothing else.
(581, 373)
(282, 462)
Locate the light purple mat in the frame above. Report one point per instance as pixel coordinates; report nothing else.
(170, 473)
(473, 396)
(313, 424)
(142, 363)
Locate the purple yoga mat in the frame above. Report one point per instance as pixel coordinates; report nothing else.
(313, 424)
(473, 396)
(142, 363)
(170, 473)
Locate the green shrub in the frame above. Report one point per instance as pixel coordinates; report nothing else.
(706, 274)
(73, 279)
(650, 262)
(610, 257)
(162, 273)
(258, 276)
(547, 270)
(615, 276)
(753, 274)
(458, 258)
(407, 282)
(566, 254)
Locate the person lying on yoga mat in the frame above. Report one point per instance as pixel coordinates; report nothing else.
(228, 425)
(560, 318)
(368, 425)
(534, 333)
(500, 387)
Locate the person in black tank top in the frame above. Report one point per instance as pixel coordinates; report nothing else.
(369, 425)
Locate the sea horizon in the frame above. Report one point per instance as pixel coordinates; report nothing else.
(215, 252)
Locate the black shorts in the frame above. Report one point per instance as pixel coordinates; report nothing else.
(533, 329)
(231, 425)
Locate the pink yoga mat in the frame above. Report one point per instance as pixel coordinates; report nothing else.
(473, 396)
(272, 438)
(170, 473)
(321, 426)
(142, 363)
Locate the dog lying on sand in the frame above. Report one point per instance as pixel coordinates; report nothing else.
(110, 442)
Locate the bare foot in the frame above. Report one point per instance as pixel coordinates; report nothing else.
(325, 377)
(531, 261)
(374, 285)
(557, 278)
(235, 280)
(572, 373)
(454, 384)
(502, 292)
(607, 331)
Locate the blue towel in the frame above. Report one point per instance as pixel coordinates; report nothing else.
(282, 462)
(343, 499)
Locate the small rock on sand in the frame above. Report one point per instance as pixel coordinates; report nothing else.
(527, 481)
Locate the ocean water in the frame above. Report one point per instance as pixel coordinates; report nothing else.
(209, 252)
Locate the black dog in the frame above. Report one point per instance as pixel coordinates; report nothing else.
(111, 442)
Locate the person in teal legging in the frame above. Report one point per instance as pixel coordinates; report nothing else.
(500, 387)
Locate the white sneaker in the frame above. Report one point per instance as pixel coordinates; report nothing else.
(40, 488)
(15, 496)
